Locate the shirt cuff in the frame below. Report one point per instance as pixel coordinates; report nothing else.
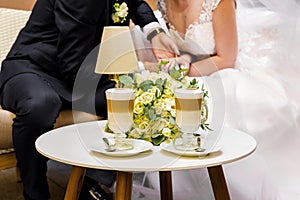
(150, 26)
(141, 66)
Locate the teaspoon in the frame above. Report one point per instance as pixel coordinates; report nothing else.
(109, 147)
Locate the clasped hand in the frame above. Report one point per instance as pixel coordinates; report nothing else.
(166, 51)
(182, 60)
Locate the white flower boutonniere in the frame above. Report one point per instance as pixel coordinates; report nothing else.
(120, 12)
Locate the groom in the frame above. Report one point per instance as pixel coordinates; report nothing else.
(39, 72)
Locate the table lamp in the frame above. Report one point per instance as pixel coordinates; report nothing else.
(117, 53)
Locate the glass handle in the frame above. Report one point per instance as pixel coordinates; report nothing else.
(204, 109)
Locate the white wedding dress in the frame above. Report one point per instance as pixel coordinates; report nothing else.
(259, 96)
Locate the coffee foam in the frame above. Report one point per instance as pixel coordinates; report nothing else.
(188, 93)
(120, 93)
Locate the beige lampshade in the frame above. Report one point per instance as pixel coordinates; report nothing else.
(117, 53)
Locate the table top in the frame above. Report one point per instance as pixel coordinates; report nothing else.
(71, 145)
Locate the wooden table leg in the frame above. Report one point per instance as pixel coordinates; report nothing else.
(124, 186)
(218, 182)
(165, 179)
(75, 183)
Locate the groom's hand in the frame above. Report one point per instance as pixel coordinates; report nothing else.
(163, 46)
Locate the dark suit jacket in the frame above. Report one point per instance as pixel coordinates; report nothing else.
(60, 34)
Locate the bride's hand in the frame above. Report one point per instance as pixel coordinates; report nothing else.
(183, 60)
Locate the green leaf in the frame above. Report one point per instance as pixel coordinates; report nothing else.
(193, 84)
(175, 74)
(161, 63)
(205, 127)
(205, 92)
(145, 85)
(150, 113)
(107, 129)
(159, 83)
(116, 5)
(126, 80)
(157, 139)
(155, 135)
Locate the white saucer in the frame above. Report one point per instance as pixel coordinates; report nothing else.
(138, 147)
(170, 148)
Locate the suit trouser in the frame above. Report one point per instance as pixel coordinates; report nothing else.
(36, 105)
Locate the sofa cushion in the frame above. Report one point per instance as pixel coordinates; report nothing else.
(66, 117)
(11, 22)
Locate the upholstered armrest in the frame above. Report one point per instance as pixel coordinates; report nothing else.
(11, 22)
(66, 117)
(6, 120)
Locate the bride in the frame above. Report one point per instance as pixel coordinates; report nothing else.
(259, 80)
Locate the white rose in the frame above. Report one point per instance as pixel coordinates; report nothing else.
(124, 6)
(122, 13)
(166, 132)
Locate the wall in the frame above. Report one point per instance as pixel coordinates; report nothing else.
(17, 4)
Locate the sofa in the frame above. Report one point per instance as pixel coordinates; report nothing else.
(13, 16)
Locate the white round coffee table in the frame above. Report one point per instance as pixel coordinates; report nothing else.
(71, 145)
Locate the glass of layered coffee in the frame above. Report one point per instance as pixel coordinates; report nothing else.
(120, 102)
(188, 116)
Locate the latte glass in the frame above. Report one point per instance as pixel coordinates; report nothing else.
(188, 113)
(120, 102)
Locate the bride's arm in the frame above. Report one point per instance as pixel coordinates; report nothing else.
(225, 32)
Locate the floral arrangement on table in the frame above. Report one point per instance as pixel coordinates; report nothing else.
(154, 105)
(120, 12)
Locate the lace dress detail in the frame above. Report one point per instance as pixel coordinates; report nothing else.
(200, 31)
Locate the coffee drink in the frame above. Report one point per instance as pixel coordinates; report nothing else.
(120, 102)
(188, 109)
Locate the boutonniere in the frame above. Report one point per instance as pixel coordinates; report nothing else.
(120, 12)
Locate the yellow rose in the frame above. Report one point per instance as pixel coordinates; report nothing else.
(143, 125)
(115, 18)
(139, 92)
(155, 91)
(138, 107)
(144, 118)
(168, 92)
(137, 119)
(147, 97)
(165, 114)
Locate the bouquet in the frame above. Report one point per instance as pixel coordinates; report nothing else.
(154, 105)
